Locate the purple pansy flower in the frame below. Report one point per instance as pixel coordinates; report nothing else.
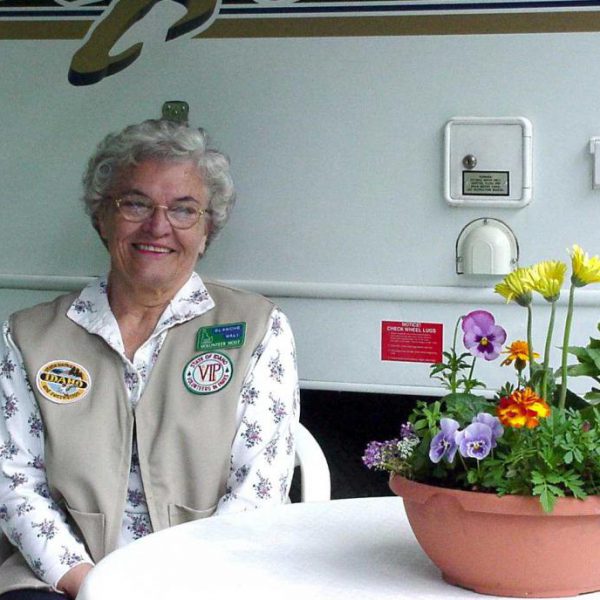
(483, 338)
(444, 444)
(475, 441)
(493, 423)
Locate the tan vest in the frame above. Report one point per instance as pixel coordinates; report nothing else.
(184, 439)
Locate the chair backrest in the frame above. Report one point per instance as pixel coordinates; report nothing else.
(315, 479)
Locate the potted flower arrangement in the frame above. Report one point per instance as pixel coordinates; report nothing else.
(503, 493)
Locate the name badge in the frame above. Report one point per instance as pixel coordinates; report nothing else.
(221, 337)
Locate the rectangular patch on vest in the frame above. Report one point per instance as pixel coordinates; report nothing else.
(218, 337)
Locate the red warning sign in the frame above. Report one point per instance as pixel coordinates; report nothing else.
(411, 342)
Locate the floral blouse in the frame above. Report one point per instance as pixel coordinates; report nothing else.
(261, 456)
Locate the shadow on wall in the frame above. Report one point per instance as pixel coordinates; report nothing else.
(343, 423)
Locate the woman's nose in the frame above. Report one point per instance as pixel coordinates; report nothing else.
(158, 223)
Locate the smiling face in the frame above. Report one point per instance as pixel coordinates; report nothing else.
(153, 256)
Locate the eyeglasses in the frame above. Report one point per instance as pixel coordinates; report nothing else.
(182, 214)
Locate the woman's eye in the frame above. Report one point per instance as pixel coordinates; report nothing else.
(183, 211)
(134, 205)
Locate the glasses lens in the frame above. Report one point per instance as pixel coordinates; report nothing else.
(139, 208)
(135, 208)
(183, 214)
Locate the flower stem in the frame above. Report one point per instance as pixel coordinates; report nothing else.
(529, 338)
(547, 349)
(468, 381)
(454, 372)
(456, 332)
(565, 349)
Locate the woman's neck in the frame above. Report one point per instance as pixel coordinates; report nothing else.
(137, 312)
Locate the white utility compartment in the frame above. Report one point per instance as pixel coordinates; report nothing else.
(488, 161)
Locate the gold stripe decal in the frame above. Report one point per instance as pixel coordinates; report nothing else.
(102, 24)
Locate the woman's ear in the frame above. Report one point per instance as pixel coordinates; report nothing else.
(202, 247)
(208, 230)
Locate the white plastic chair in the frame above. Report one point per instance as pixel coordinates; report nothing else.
(315, 479)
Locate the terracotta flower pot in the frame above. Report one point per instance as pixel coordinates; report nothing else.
(506, 546)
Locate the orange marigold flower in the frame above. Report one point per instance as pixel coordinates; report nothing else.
(518, 352)
(523, 408)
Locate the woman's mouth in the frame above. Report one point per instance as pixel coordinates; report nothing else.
(152, 248)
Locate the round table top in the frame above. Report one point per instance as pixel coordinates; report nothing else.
(358, 548)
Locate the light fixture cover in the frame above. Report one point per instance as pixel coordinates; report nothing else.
(486, 246)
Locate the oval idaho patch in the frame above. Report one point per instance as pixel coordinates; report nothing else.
(63, 381)
(208, 373)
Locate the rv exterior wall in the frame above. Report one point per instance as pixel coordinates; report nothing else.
(337, 151)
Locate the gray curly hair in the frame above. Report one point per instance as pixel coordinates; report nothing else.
(159, 139)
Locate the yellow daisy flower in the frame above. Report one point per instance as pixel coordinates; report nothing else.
(516, 286)
(547, 278)
(585, 269)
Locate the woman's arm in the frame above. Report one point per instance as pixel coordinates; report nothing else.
(262, 459)
(28, 516)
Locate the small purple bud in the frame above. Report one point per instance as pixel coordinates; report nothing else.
(407, 431)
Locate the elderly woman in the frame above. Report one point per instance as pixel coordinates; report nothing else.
(150, 398)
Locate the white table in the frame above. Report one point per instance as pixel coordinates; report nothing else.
(343, 549)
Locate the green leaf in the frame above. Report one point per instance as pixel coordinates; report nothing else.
(587, 356)
(548, 500)
(581, 353)
(582, 370)
(537, 374)
(472, 476)
(593, 396)
(594, 354)
(537, 479)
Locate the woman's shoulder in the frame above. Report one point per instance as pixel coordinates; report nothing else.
(45, 310)
(223, 292)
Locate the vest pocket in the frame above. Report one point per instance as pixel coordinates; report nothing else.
(92, 527)
(179, 514)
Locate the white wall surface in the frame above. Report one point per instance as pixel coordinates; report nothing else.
(336, 146)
